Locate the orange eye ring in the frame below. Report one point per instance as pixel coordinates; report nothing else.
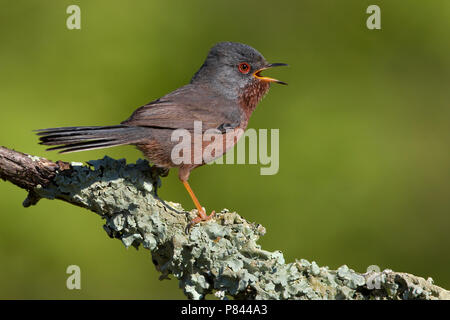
(244, 67)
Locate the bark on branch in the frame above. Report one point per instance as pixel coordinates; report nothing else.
(221, 256)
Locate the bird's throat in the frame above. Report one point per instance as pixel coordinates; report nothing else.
(251, 95)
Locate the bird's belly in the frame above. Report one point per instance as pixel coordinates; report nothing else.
(216, 148)
(204, 148)
(156, 153)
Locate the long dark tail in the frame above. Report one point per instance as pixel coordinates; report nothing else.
(72, 139)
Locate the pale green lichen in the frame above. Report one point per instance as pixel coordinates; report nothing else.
(221, 255)
(33, 158)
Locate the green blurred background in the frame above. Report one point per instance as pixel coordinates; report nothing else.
(364, 132)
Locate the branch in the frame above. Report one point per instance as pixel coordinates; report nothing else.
(220, 256)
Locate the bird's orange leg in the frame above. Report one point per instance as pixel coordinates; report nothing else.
(202, 216)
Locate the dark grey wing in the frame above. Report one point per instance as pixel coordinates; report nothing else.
(180, 108)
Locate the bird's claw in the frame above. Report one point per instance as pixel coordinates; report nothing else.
(202, 216)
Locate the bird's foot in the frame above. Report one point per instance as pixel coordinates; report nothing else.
(202, 216)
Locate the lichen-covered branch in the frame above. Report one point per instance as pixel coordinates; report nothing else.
(220, 256)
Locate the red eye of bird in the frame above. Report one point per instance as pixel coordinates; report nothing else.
(244, 67)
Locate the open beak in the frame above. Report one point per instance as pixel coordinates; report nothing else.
(257, 73)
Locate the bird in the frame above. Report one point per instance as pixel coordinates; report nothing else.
(221, 95)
